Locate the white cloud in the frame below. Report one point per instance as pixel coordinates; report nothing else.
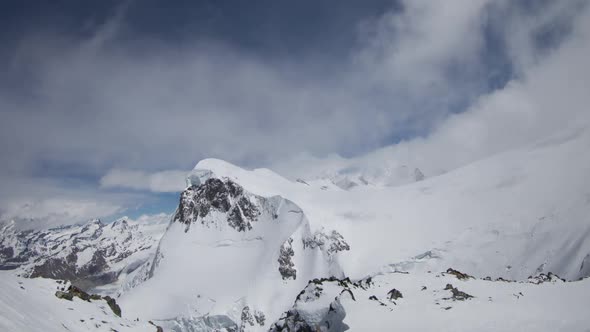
(549, 94)
(107, 105)
(417, 46)
(157, 218)
(42, 202)
(111, 109)
(165, 181)
(55, 211)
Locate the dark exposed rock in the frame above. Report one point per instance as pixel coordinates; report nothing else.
(457, 294)
(225, 196)
(286, 265)
(6, 253)
(158, 328)
(74, 291)
(251, 318)
(259, 317)
(246, 318)
(64, 295)
(77, 292)
(458, 274)
(364, 283)
(347, 290)
(394, 294)
(541, 278)
(341, 282)
(291, 321)
(113, 305)
(374, 298)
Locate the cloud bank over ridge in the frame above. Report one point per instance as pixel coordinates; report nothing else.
(441, 83)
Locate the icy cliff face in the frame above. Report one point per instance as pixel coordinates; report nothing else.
(89, 255)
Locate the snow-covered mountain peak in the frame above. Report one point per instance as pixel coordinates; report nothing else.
(235, 248)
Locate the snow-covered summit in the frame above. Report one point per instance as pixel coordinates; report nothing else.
(512, 215)
(230, 251)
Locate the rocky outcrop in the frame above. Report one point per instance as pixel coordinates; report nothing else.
(457, 295)
(292, 321)
(458, 274)
(73, 291)
(317, 307)
(286, 265)
(250, 318)
(394, 294)
(197, 202)
(542, 278)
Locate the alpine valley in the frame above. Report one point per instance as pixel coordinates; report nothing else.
(366, 244)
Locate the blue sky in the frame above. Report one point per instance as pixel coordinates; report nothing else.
(105, 105)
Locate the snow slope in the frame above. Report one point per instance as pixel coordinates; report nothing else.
(226, 250)
(512, 215)
(516, 214)
(30, 305)
(244, 243)
(426, 302)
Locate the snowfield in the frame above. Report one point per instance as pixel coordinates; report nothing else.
(30, 305)
(427, 304)
(243, 249)
(519, 213)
